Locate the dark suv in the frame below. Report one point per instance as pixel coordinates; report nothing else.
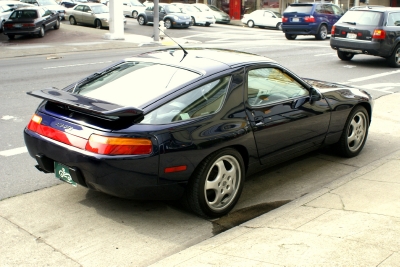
(371, 31)
(310, 19)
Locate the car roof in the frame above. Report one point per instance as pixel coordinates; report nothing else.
(31, 8)
(374, 8)
(90, 4)
(202, 60)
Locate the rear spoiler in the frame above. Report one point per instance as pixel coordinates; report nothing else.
(86, 104)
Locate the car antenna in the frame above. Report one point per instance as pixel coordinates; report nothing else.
(184, 51)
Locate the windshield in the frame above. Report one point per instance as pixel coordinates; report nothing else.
(172, 9)
(46, 2)
(134, 83)
(215, 8)
(191, 8)
(299, 9)
(136, 3)
(361, 17)
(100, 9)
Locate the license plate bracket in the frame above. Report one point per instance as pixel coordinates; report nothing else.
(351, 35)
(62, 173)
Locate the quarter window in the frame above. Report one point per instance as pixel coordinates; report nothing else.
(204, 100)
(269, 85)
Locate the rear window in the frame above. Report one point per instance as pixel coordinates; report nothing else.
(362, 17)
(134, 83)
(24, 14)
(299, 9)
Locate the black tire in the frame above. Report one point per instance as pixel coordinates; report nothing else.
(192, 21)
(279, 26)
(11, 36)
(354, 133)
(72, 21)
(41, 32)
(250, 23)
(57, 25)
(322, 33)
(290, 36)
(168, 23)
(141, 20)
(394, 59)
(346, 56)
(217, 183)
(97, 24)
(2, 26)
(207, 24)
(134, 14)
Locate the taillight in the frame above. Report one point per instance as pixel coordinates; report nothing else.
(107, 145)
(285, 19)
(99, 144)
(333, 30)
(7, 26)
(309, 19)
(379, 34)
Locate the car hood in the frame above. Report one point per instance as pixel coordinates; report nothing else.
(179, 15)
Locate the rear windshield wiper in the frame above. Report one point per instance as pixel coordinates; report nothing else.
(349, 22)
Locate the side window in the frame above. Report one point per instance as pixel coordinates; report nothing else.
(318, 9)
(204, 100)
(79, 8)
(268, 85)
(393, 19)
(86, 9)
(337, 10)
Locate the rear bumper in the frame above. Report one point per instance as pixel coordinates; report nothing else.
(358, 47)
(125, 177)
(31, 31)
(311, 29)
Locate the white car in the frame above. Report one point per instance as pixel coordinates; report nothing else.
(6, 8)
(132, 8)
(263, 18)
(219, 15)
(197, 17)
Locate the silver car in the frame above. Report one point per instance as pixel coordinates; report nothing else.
(132, 8)
(95, 14)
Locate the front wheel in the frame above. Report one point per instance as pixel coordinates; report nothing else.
(322, 33)
(192, 21)
(346, 56)
(72, 21)
(354, 133)
(134, 14)
(394, 59)
(41, 32)
(290, 36)
(217, 183)
(57, 25)
(97, 24)
(168, 24)
(141, 20)
(250, 23)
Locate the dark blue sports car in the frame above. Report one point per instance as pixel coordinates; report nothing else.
(190, 125)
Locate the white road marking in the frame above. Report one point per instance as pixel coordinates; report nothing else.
(328, 54)
(12, 152)
(7, 117)
(349, 66)
(76, 65)
(374, 76)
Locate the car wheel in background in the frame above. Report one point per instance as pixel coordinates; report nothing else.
(141, 20)
(279, 26)
(41, 32)
(134, 14)
(322, 33)
(207, 24)
(290, 36)
(346, 56)
(57, 25)
(97, 24)
(250, 23)
(168, 24)
(394, 59)
(217, 183)
(2, 26)
(192, 21)
(354, 134)
(72, 21)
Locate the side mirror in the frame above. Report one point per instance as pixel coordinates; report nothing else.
(314, 95)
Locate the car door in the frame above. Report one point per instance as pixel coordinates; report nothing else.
(48, 18)
(283, 119)
(87, 15)
(150, 13)
(269, 19)
(77, 13)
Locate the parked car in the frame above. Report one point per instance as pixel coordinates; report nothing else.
(263, 18)
(49, 4)
(71, 3)
(310, 19)
(211, 118)
(132, 8)
(170, 14)
(369, 31)
(197, 17)
(14, 4)
(31, 21)
(219, 15)
(5, 12)
(93, 14)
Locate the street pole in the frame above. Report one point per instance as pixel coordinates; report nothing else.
(156, 21)
(116, 21)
